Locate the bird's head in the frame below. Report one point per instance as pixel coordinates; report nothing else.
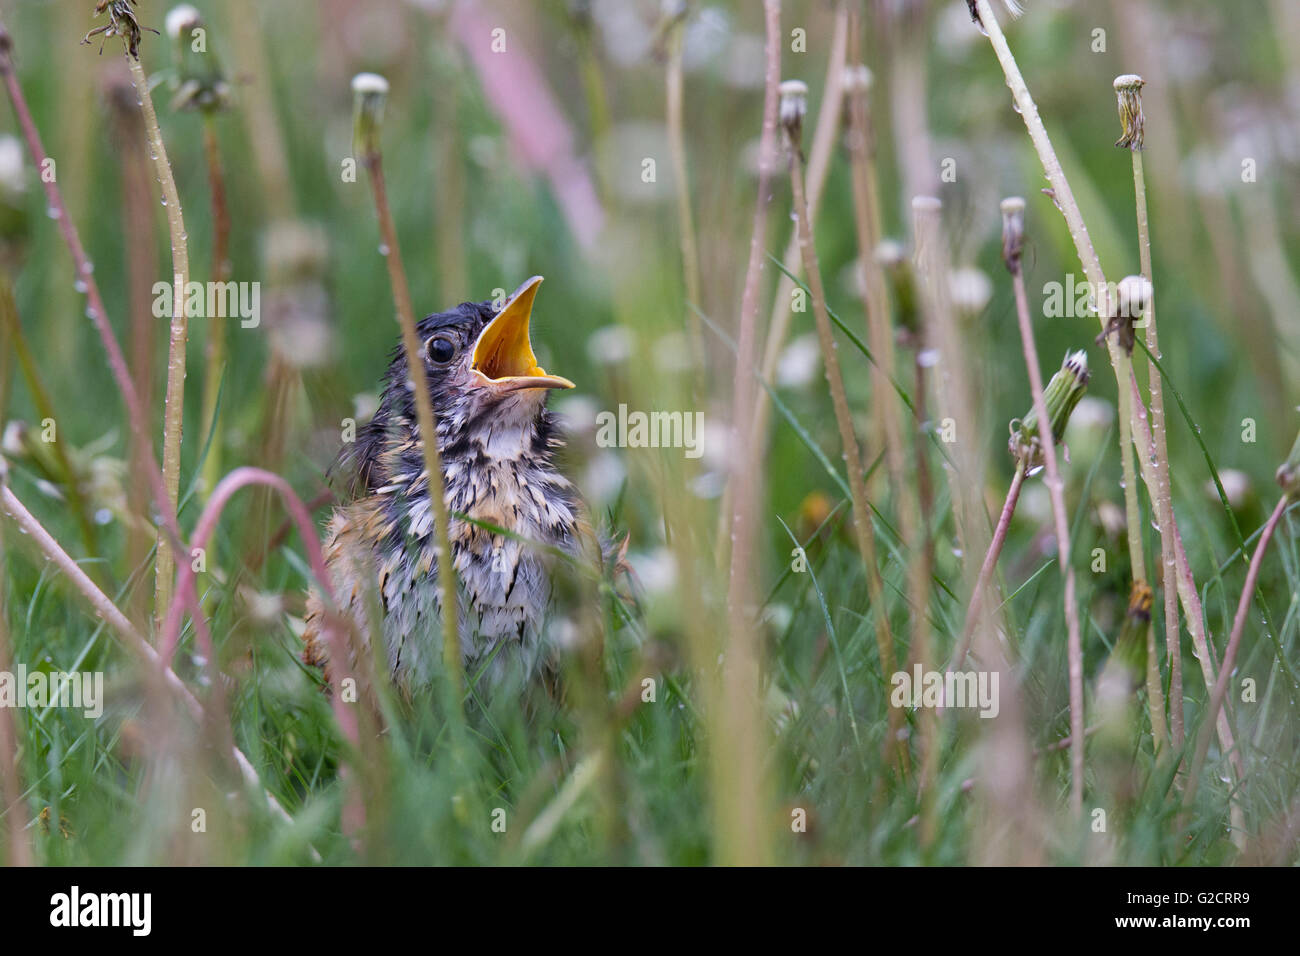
(487, 391)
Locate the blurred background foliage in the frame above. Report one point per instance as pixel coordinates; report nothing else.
(531, 161)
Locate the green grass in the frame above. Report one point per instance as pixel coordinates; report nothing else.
(126, 786)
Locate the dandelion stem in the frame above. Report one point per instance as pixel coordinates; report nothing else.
(673, 95)
(11, 328)
(98, 315)
(215, 355)
(818, 167)
(127, 635)
(953, 392)
(1056, 489)
(1187, 592)
(1230, 652)
(1064, 197)
(239, 478)
(737, 764)
(95, 309)
(141, 250)
(1132, 414)
(174, 403)
(866, 218)
(11, 802)
(885, 402)
(427, 424)
(848, 440)
(1164, 493)
(264, 129)
(987, 568)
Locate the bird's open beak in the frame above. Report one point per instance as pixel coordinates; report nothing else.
(503, 355)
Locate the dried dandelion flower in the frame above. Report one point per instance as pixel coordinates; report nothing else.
(1013, 232)
(794, 106)
(1129, 90)
(122, 22)
(1133, 295)
(370, 93)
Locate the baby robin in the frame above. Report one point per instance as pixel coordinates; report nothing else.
(497, 442)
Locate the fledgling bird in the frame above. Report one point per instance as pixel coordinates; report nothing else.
(497, 441)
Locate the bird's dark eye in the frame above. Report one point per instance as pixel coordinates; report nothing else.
(441, 349)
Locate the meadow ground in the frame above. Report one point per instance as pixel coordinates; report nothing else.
(745, 706)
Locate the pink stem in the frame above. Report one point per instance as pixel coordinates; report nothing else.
(1234, 640)
(117, 623)
(986, 569)
(99, 316)
(207, 524)
(86, 276)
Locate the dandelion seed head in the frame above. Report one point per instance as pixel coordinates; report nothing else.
(610, 345)
(1134, 293)
(182, 18)
(971, 290)
(369, 83)
(1237, 486)
(794, 105)
(857, 79)
(889, 252)
(13, 179)
(799, 362)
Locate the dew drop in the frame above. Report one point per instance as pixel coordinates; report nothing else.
(383, 248)
(79, 285)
